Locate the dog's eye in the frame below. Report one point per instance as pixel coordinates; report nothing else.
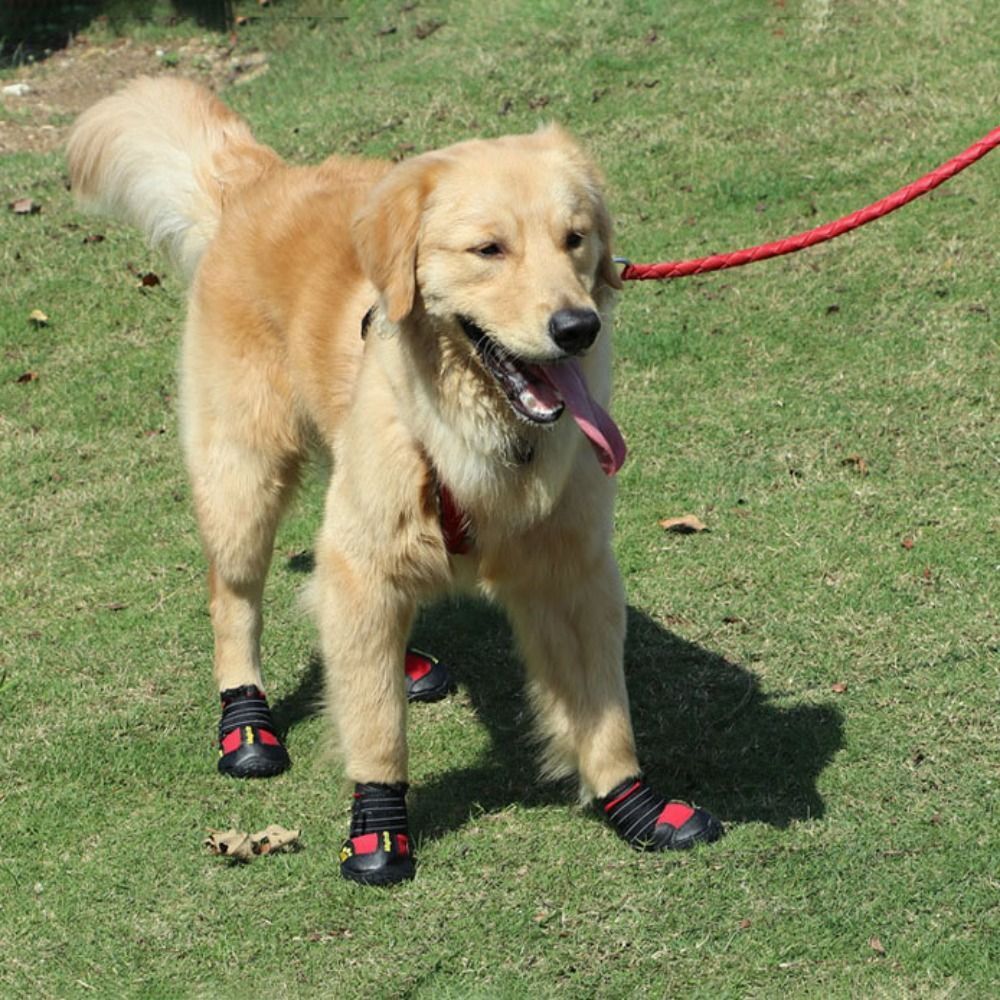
(574, 241)
(488, 250)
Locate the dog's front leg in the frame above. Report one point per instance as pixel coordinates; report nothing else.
(364, 621)
(363, 624)
(570, 624)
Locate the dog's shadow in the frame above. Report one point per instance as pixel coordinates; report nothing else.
(704, 729)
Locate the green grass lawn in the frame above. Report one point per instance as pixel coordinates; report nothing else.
(820, 668)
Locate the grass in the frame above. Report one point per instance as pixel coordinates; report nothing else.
(820, 668)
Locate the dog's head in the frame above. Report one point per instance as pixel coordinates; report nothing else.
(506, 243)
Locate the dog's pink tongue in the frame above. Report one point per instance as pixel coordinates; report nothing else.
(590, 416)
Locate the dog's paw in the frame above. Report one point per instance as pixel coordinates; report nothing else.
(427, 678)
(377, 850)
(248, 744)
(681, 826)
(648, 822)
(377, 858)
(255, 759)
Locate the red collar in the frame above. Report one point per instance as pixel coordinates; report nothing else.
(455, 526)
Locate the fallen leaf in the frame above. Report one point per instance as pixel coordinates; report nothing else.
(272, 838)
(744, 924)
(860, 465)
(907, 543)
(839, 688)
(876, 945)
(247, 846)
(25, 206)
(27, 377)
(37, 318)
(686, 525)
(94, 238)
(230, 843)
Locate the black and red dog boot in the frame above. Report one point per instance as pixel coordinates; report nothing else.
(249, 747)
(648, 822)
(427, 678)
(377, 850)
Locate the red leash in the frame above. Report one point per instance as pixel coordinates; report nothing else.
(718, 261)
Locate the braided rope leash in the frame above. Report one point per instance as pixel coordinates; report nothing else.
(827, 231)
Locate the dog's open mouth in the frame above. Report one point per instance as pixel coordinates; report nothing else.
(530, 392)
(540, 393)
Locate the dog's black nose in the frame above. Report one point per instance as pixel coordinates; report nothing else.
(574, 330)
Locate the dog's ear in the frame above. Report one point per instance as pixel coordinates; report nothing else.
(387, 229)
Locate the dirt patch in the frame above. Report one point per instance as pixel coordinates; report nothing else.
(39, 103)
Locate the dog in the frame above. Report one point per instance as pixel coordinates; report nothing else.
(442, 327)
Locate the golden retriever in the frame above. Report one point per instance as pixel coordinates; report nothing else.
(442, 326)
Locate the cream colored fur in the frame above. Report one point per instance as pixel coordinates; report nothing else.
(284, 263)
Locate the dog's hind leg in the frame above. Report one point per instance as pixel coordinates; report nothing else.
(239, 497)
(238, 516)
(243, 472)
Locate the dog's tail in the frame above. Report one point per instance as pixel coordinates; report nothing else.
(164, 154)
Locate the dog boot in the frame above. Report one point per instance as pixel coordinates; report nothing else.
(427, 678)
(648, 822)
(248, 744)
(377, 850)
